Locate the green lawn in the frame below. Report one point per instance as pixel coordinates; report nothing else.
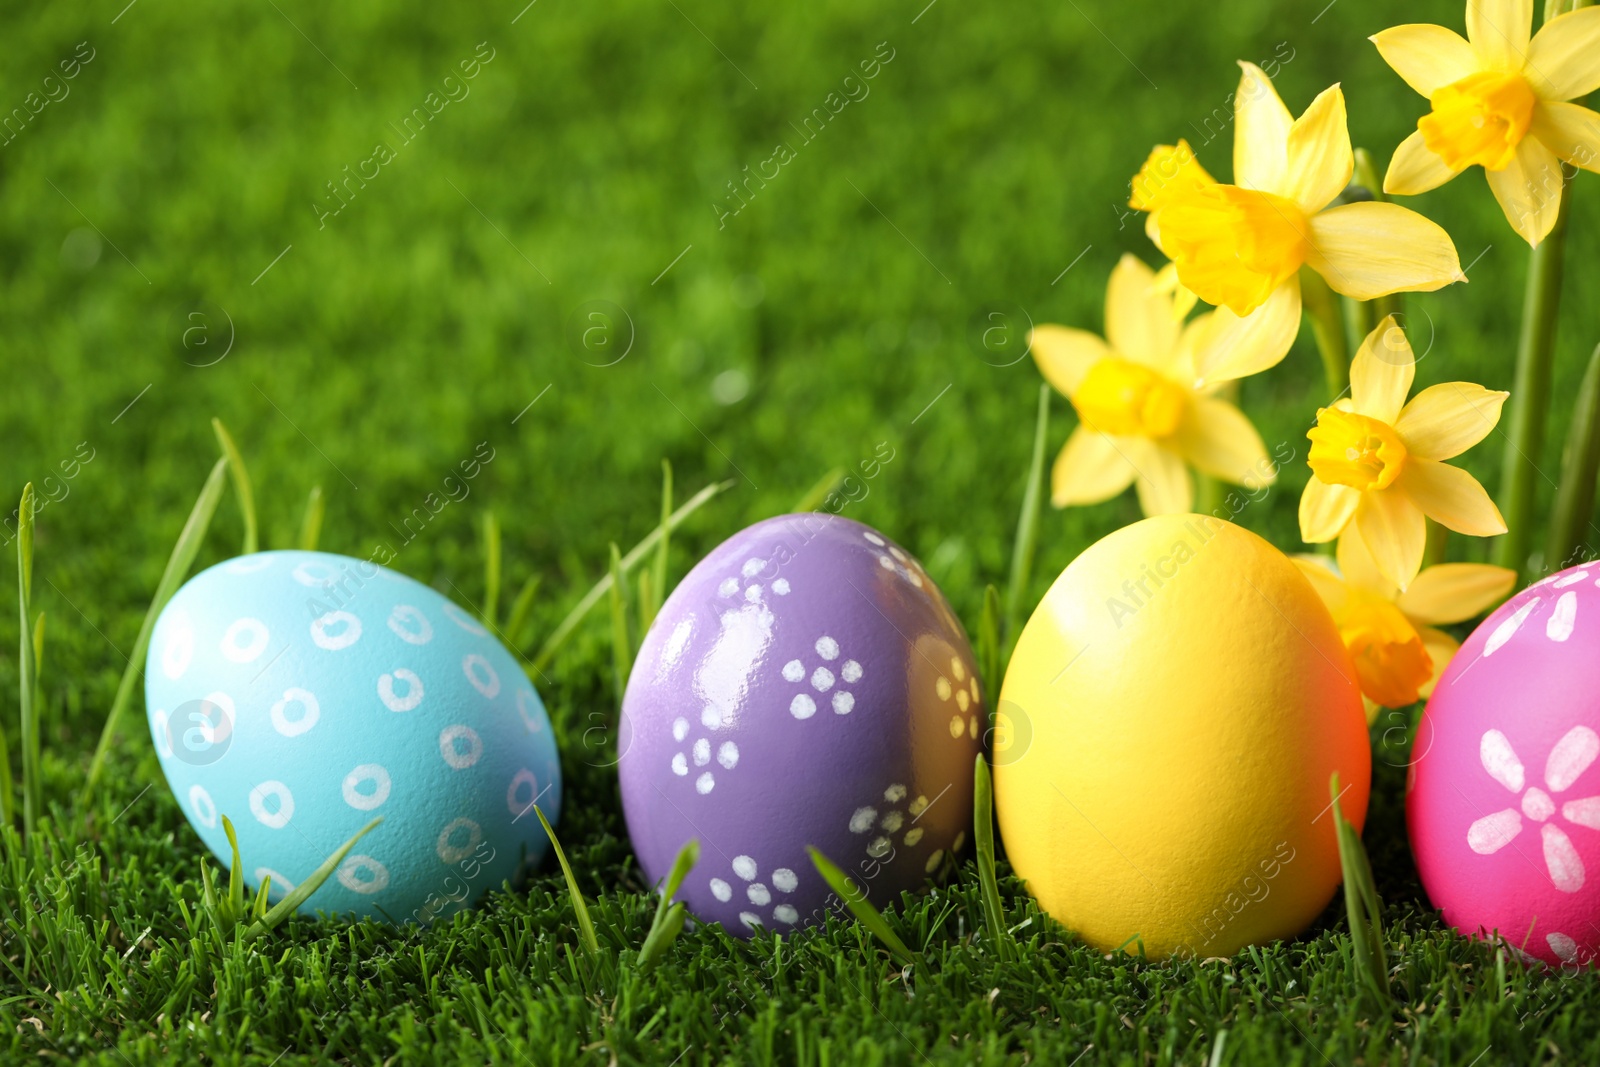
(174, 205)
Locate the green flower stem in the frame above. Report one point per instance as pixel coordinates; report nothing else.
(1438, 542)
(1580, 465)
(1530, 393)
(1327, 326)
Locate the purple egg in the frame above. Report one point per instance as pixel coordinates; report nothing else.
(806, 684)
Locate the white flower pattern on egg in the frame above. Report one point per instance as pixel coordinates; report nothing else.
(1571, 756)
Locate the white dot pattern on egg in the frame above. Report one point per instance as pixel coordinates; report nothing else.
(800, 687)
(302, 694)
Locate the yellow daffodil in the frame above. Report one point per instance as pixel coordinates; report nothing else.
(1377, 461)
(1240, 247)
(1145, 418)
(1397, 652)
(1500, 101)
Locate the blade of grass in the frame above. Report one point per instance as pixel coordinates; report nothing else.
(8, 808)
(644, 593)
(1362, 908)
(1027, 538)
(241, 484)
(857, 902)
(983, 838)
(235, 911)
(669, 917)
(520, 609)
(658, 579)
(302, 892)
(554, 642)
(812, 498)
(491, 570)
(26, 710)
(178, 564)
(662, 934)
(36, 754)
(1580, 465)
(311, 524)
(579, 908)
(621, 642)
(989, 643)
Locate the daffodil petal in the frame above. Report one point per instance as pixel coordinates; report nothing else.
(1381, 373)
(1442, 648)
(1570, 131)
(1091, 468)
(1455, 592)
(1564, 58)
(1235, 347)
(1415, 168)
(1163, 483)
(1360, 570)
(1445, 420)
(1319, 161)
(1325, 510)
(1498, 30)
(1529, 190)
(1328, 584)
(1217, 438)
(1451, 496)
(1427, 57)
(1064, 355)
(1395, 533)
(1261, 132)
(1139, 322)
(1368, 250)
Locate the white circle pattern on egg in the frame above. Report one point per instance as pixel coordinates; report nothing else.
(272, 804)
(204, 808)
(363, 874)
(179, 647)
(245, 640)
(481, 675)
(330, 692)
(336, 630)
(460, 746)
(310, 712)
(410, 625)
(363, 801)
(451, 848)
(523, 793)
(400, 701)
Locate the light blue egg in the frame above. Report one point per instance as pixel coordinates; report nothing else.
(302, 694)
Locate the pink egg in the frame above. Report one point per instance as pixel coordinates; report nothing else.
(1503, 795)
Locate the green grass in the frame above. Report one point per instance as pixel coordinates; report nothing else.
(834, 321)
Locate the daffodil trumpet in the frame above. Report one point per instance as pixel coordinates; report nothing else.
(1501, 99)
(1146, 418)
(1377, 459)
(1391, 634)
(1241, 246)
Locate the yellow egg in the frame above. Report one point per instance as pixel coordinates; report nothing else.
(1165, 736)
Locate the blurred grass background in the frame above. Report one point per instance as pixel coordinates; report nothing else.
(984, 173)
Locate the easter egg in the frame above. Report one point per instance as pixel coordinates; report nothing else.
(1165, 736)
(805, 685)
(1503, 791)
(303, 694)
